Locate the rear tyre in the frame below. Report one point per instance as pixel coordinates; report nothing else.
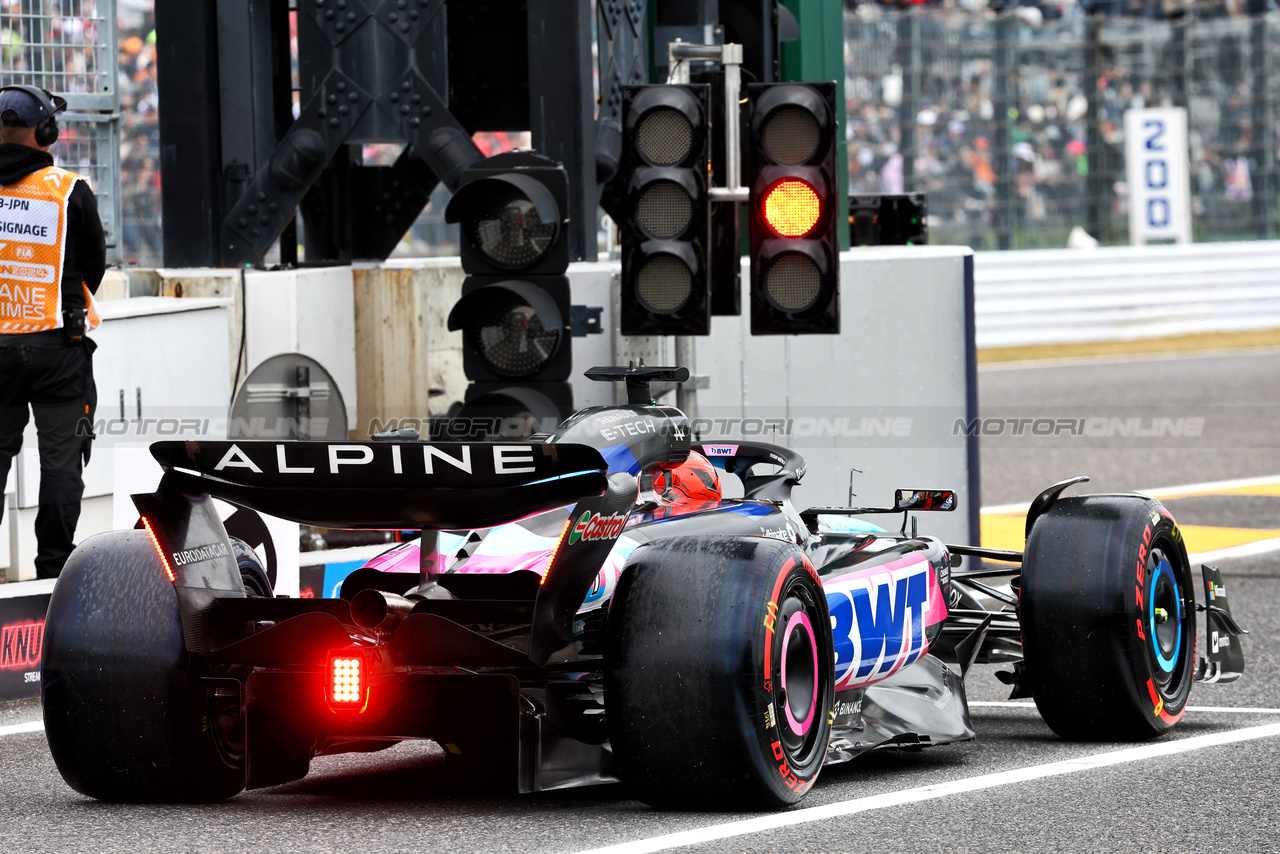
(720, 677)
(257, 584)
(125, 712)
(1108, 618)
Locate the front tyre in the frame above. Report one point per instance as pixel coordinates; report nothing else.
(1108, 618)
(720, 677)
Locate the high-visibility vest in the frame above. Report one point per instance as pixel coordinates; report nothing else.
(33, 243)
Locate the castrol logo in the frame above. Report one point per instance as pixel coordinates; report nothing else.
(592, 526)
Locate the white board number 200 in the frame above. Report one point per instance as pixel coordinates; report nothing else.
(1156, 171)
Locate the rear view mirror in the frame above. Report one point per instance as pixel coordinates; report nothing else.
(924, 499)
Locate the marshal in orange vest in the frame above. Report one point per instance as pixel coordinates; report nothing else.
(33, 241)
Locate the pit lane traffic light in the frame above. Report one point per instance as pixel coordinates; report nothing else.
(791, 170)
(514, 311)
(665, 210)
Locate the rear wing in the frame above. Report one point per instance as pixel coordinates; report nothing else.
(392, 485)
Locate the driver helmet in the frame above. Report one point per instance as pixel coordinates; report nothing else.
(695, 481)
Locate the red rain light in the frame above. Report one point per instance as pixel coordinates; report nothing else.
(164, 559)
(347, 685)
(564, 532)
(792, 208)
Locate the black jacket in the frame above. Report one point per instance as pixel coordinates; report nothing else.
(86, 255)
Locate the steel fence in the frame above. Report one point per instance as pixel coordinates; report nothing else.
(69, 48)
(1013, 123)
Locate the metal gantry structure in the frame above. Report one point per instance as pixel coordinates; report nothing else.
(266, 106)
(264, 126)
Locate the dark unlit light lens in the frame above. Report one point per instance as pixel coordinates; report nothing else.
(793, 282)
(664, 210)
(508, 231)
(664, 284)
(510, 336)
(664, 137)
(791, 136)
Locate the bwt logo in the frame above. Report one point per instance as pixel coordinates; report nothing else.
(20, 646)
(878, 623)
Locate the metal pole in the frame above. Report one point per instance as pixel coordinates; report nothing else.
(1005, 98)
(730, 55)
(1096, 192)
(11, 573)
(686, 392)
(562, 105)
(909, 58)
(1261, 151)
(1178, 60)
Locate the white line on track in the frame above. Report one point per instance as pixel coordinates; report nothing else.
(1158, 492)
(15, 729)
(939, 790)
(1257, 547)
(1237, 710)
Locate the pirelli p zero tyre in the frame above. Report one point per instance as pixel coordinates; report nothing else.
(719, 681)
(1108, 618)
(257, 584)
(125, 712)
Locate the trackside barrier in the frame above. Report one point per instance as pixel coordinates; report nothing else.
(1125, 292)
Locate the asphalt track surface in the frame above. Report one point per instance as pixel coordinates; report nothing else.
(1210, 786)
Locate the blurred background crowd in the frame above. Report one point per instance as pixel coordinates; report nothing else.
(932, 107)
(1011, 119)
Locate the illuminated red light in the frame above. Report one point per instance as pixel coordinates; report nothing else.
(792, 208)
(346, 686)
(164, 559)
(564, 532)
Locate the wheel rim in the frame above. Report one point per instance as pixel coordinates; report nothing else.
(799, 688)
(799, 673)
(1166, 623)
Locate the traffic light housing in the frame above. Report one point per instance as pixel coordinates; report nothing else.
(884, 219)
(665, 210)
(791, 170)
(514, 310)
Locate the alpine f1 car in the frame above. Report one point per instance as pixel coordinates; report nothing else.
(584, 608)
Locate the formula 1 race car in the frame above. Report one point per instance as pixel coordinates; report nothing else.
(579, 609)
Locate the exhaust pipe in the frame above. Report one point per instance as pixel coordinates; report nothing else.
(378, 609)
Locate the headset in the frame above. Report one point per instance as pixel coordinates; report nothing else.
(47, 130)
